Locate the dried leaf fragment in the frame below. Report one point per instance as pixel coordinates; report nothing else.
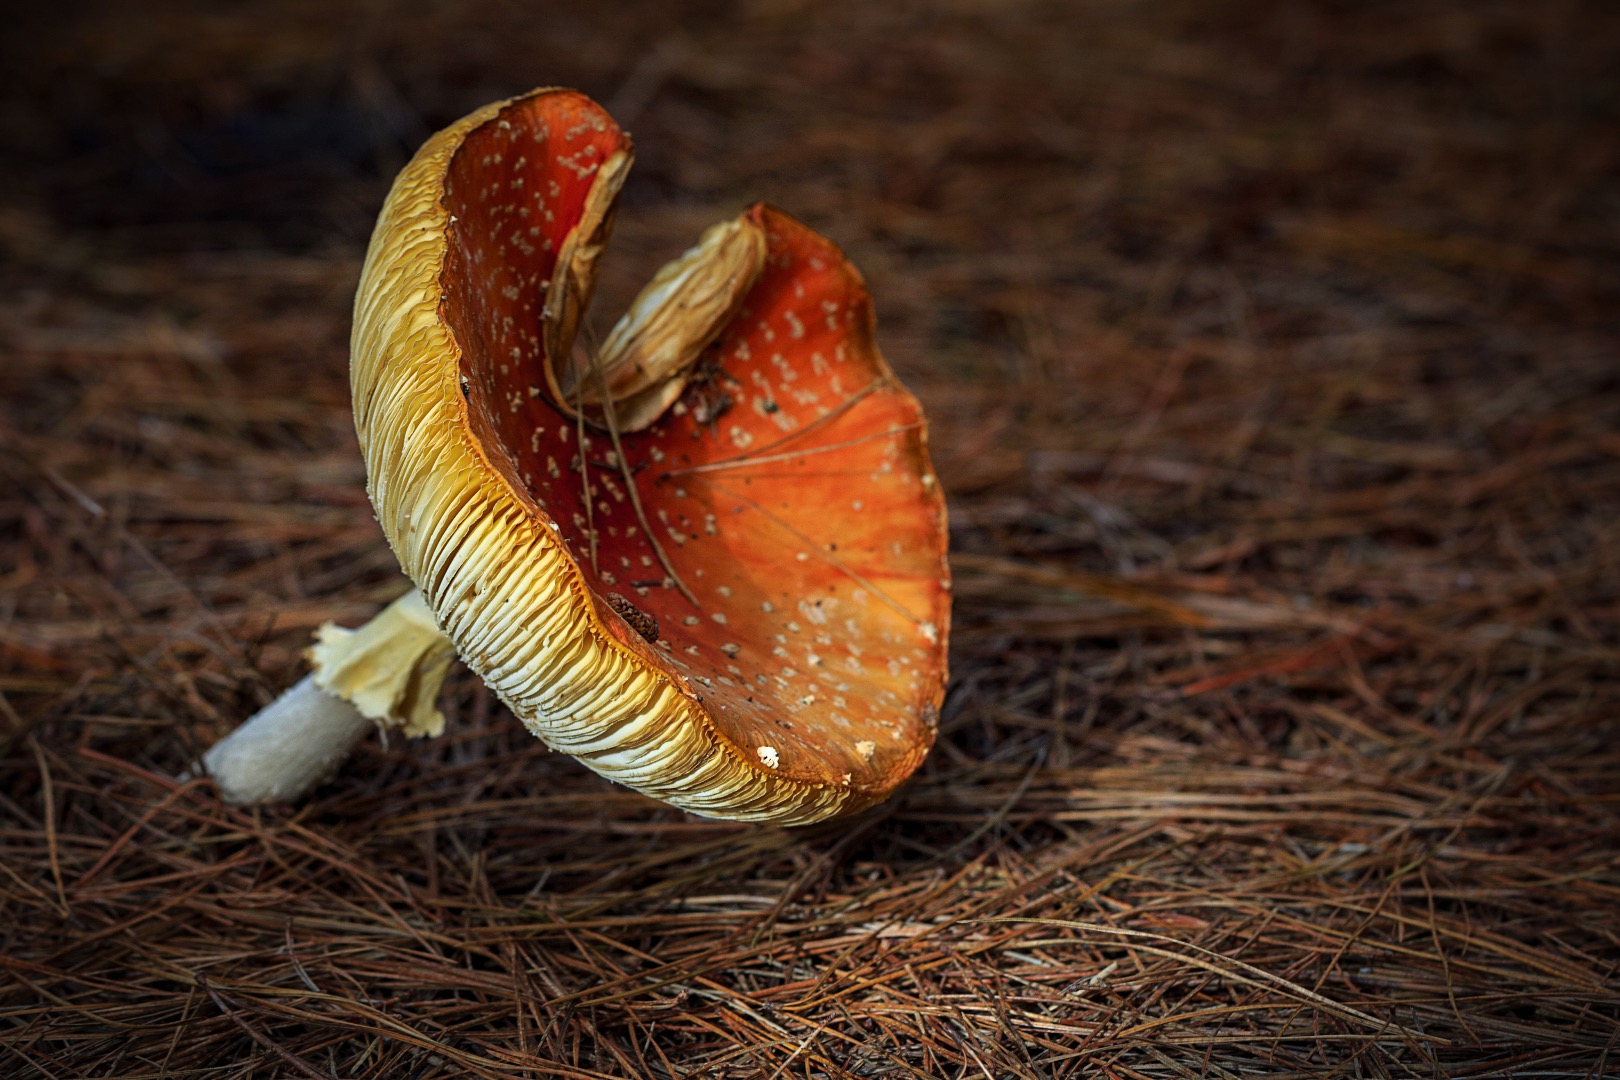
(651, 351)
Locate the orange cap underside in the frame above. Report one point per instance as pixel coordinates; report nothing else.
(790, 488)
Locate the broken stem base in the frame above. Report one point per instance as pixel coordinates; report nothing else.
(287, 747)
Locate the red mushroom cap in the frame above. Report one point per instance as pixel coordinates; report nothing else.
(788, 490)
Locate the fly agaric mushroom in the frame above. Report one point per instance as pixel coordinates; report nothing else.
(708, 562)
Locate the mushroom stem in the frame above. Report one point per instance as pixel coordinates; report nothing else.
(287, 747)
(385, 674)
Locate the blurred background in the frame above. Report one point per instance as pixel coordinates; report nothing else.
(1272, 355)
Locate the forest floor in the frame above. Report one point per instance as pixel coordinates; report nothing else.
(1272, 358)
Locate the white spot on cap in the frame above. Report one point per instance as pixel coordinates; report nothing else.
(768, 755)
(866, 748)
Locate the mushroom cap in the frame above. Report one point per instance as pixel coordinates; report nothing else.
(789, 489)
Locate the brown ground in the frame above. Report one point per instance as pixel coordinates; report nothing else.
(1271, 352)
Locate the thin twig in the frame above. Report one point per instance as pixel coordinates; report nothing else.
(292, 1060)
(630, 481)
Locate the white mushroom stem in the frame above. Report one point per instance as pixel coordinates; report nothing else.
(385, 674)
(287, 747)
